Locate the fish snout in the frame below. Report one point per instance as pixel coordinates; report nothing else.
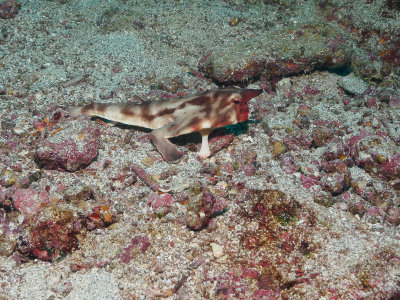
(248, 94)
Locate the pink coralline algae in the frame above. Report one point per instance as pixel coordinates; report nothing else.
(70, 147)
(307, 181)
(146, 178)
(202, 207)
(140, 242)
(160, 203)
(377, 156)
(8, 9)
(28, 201)
(298, 140)
(310, 91)
(51, 240)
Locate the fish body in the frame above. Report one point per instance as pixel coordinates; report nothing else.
(202, 112)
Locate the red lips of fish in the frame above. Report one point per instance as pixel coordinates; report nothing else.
(247, 95)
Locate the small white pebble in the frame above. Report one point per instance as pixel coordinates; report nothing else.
(248, 139)
(21, 219)
(375, 123)
(18, 130)
(217, 250)
(222, 184)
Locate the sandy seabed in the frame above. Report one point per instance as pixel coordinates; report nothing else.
(300, 202)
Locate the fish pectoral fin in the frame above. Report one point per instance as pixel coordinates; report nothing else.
(179, 126)
(168, 150)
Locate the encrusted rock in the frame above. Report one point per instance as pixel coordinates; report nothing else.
(217, 250)
(51, 234)
(321, 136)
(201, 207)
(7, 245)
(335, 177)
(28, 201)
(278, 148)
(377, 155)
(68, 145)
(283, 86)
(8, 178)
(335, 183)
(297, 49)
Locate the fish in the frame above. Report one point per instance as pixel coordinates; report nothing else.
(174, 117)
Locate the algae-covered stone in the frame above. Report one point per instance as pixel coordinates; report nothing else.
(367, 66)
(70, 147)
(202, 207)
(7, 246)
(147, 161)
(278, 148)
(8, 178)
(279, 52)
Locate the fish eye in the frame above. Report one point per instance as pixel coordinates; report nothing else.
(236, 100)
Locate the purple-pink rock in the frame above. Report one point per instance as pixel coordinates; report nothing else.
(393, 215)
(68, 145)
(307, 181)
(335, 183)
(288, 164)
(160, 203)
(28, 201)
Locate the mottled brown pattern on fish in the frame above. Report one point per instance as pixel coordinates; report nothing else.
(220, 121)
(88, 108)
(194, 123)
(201, 100)
(101, 108)
(166, 111)
(145, 112)
(223, 103)
(127, 111)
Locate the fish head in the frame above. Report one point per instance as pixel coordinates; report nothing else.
(239, 99)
